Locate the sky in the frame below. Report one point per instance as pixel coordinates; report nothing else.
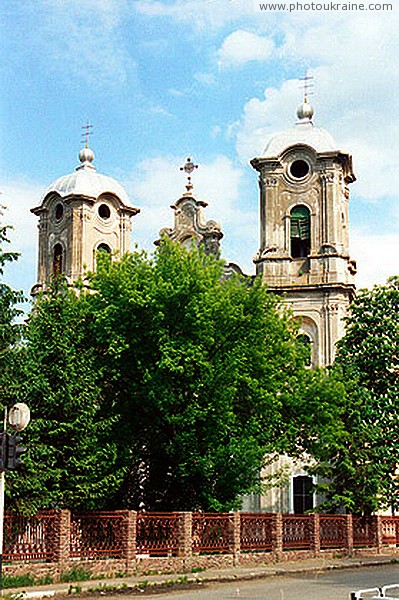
(163, 80)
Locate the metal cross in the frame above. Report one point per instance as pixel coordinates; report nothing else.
(88, 130)
(189, 168)
(307, 84)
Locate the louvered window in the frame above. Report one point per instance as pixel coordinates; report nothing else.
(300, 231)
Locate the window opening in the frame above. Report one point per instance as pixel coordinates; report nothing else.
(307, 342)
(300, 232)
(299, 169)
(104, 211)
(57, 260)
(303, 494)
(104, 248)
(59, 212)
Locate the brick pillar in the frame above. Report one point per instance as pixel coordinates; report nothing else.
(62, 539)
(186, 534)
(314, 523)
(235, 538)
(376, 522)
(277, 535)
(348, 535)
(129, 540)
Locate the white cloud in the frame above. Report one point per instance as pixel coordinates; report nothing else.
(241, 47)
(82, 40)
(19, 197)
(159, 110)
(201, 14)
(354, 60)
(377, 256)
(205, 78)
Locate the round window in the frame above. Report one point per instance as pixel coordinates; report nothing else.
(59, 211)
(299, 168)
(104, 211)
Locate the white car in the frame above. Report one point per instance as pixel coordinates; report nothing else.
(378, 592)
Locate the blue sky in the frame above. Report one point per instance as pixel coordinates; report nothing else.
(161, 80)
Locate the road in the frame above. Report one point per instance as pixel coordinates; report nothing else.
(331, 585)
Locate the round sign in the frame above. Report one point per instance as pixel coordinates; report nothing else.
(19, 416)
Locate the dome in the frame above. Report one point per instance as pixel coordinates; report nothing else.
(85, 181)
(304, 132)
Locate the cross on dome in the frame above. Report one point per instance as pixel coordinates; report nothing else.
(88, 130)
(86, 155)
(305, 111)
(188, 168)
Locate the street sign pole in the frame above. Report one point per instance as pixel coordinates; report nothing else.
(18, 419)
(2, 488)
(2, 485)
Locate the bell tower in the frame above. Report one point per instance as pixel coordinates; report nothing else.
(80, 214)
(304, 230)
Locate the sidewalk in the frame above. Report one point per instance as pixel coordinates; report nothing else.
(211, 575)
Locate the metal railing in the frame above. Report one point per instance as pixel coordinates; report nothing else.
(108, 535)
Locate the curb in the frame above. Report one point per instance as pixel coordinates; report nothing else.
(97, 586)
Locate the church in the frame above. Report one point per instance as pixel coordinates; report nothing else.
(303, 254)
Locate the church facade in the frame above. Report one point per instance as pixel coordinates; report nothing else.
(304, 256)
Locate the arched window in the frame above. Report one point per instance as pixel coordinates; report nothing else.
(57, 260)
(300, 231)
(307, 342)
(104, 248)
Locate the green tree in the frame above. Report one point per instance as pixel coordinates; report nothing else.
(203, 372)
(362, 463)
(72, 460)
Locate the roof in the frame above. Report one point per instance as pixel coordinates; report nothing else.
(303, 133)
(86, 181)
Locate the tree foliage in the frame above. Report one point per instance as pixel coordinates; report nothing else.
(162, 388)
(202, 371)
(362, 465)
(72, 457)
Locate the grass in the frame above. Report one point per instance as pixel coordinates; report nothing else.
(75, 574)
(10, 581)
(25, 580)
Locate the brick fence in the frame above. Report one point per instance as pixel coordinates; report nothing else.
(119, 542)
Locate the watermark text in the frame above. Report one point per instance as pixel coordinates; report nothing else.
(321, 6)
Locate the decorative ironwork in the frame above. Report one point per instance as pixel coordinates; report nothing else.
(296, 532)
(363, 534)
(30, 538)
(390, 530)
(158, 534)
(97, 535)
(211, 532)
(332, 531)
(256, 531)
